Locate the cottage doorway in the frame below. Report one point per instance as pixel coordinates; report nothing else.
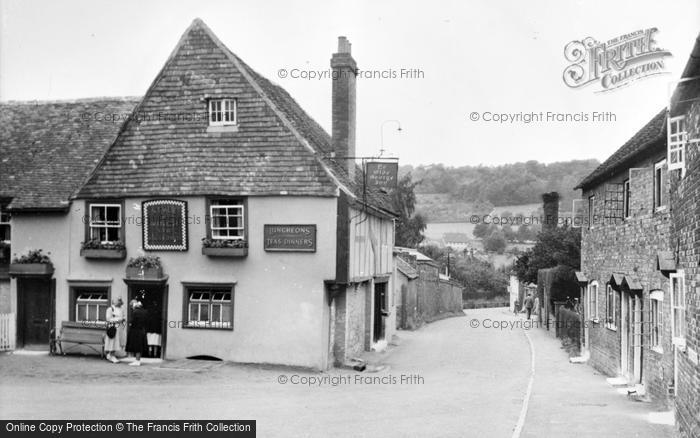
(624, 335)
(586, 318)
(35, 310)
(155, 299)
(636, 338)
(631, 337)
(380, 311)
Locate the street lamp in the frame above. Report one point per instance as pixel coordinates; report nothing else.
(381, 133)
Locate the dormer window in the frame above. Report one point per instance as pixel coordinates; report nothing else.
(222, 112)
(676, 143)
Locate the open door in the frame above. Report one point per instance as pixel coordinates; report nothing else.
(155, 302)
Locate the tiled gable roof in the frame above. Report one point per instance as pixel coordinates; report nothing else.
(647, 139)
(48, 149)
(278, 148)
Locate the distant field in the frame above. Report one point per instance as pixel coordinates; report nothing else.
(437, 207)
(525, 209)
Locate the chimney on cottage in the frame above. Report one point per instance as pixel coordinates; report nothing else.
(343, 131)
(551, 210)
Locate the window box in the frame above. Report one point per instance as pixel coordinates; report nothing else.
(224, 248)
(224, 252)
(31, 269)
(144, 267)
(139, 272)
(103, 253)
(33, 263)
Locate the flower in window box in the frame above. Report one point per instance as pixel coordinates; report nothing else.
(224, 247)
(33, 263)
(96, 249)
(144, 267)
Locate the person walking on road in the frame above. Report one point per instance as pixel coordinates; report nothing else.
(528, 305)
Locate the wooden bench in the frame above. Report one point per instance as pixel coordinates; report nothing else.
(76, 334)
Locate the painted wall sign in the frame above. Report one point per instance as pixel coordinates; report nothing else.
(291, 238)
(164, 225)
(382, 175)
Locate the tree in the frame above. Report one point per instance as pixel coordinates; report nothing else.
(496, 242)
(409, 226)
(559, 246)
(480, 230)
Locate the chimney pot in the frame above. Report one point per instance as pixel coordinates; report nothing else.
(344, 45)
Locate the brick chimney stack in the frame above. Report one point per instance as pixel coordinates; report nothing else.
(343, 131)
(551, 210)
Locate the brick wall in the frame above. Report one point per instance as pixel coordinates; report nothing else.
(630, 247)
(685, 199)
(428, 297)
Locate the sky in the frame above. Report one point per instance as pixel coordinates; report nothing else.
(499, 57)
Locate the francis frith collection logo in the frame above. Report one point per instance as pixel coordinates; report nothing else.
(614, 63)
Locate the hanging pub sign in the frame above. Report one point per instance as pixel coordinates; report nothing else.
(290, 238)
(382, 175)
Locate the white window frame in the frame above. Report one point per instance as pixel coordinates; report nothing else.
(678, 334)
(656, 304)
(5, 219)
(104, 224)
(91, 302)
(610, 320)
(659, 204)
(223, 112)
(209, 303)
(677, 139)
(227, 205)
(593, 301)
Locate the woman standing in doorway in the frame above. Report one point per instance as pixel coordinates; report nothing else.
(136, 338)
(115, 317)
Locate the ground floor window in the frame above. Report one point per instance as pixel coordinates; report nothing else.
(610, 305)
(656, 319)
(91, 305)
(593, 300)
(208, 306)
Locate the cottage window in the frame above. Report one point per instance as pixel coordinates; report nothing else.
(593, 300)
(5, 237)
(656, 318)
(676, 142)
(591, 211)
(105, 222)
(678, 308)
(610, 305)
(209, 306)
(659, 185)
(222, 112)
(626, 199)
(227, 219)
(165, 225)
(91, 306)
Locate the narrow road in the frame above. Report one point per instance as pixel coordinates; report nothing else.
(459, 377)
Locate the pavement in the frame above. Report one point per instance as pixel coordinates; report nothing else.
(451, 378)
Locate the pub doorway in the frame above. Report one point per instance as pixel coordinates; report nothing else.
(154, 297)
